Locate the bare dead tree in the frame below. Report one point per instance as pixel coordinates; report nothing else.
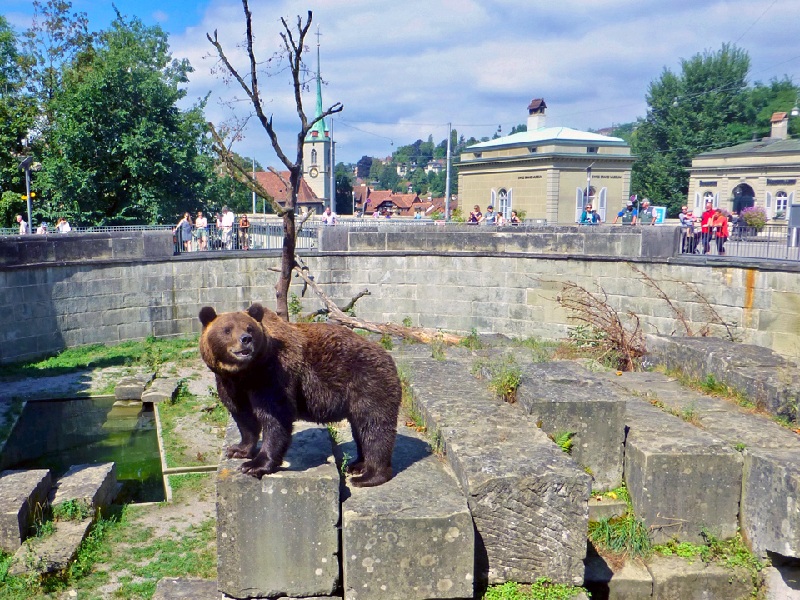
(293, 47)
(593, 309)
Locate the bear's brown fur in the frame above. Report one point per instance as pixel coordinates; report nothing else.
(270, 373)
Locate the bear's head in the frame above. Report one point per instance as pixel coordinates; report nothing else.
(231, 342)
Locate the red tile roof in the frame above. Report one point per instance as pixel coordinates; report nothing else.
(272, 183)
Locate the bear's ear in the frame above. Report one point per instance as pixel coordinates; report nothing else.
(207, 314)
(256, 311)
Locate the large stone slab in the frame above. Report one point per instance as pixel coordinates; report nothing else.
(279, 535)
(529, 500)
(412, 537)
(54, 553)
(770, 501)
(93, 485)
(131, 387)
(565, 397)
(631, 581)
(162, 389)
(678, 579)
(680, 478)
(761, 374)
(179, 588)
(23, 495)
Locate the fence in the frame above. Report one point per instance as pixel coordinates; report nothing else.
(777, 242)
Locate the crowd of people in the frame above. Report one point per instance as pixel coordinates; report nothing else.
(226, 234)
(698, 232)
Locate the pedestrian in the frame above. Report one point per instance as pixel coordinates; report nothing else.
(244, 232)
(589, 216)
(226, 224)
(63, 225)
(201, 231)
(328, 217)
(184, 232)
(23, 225)
(627, 214)
(476, 215)
(490, 218)
(42, 229)
(646, 216)
(515, 218)
(705, 229)
(687, 230)
(718, 225)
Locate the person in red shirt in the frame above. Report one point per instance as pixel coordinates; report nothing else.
(718, 225)
(704, 227)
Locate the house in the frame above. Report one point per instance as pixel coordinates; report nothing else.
(548, 172)
(762, 173)
(307, 200)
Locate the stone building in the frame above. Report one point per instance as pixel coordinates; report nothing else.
(757, 173)
(545, 171)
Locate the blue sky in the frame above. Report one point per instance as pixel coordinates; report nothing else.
(403, 70)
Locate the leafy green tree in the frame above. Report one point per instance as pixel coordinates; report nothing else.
(765, 100)
(702, 108)
(344, 189)
(118, 148)
(17, 114)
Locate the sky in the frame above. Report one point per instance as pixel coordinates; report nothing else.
(404, 70)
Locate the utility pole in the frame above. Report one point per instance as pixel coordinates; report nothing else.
(333, 172)
(447, 177)
(25, 165)
(254, 192)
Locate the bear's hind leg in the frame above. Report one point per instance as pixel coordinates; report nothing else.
(377, 444)
(355, 467)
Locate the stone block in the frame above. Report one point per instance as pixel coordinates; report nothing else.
(22, 495)
(93, 485)
(678, 579)
(631, 581)
(178, 588)
(132, 387)
(603, 507)
(162, 389)
(529, 500)
(565, 397)
(781, 582)
(680, 478)
(770, 513)
(278, 535)
(412, 537)
(51, 554)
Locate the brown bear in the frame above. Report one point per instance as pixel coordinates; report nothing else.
(270, 373)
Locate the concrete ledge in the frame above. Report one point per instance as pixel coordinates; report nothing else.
(631, 581)
(678, 579)
(54, 553)
(161, 389)
(770, 512)
(680, 478)
(565, 397)
(22, 494)
(412, 537)
(529, 500)
(278, 536)
(765, 377)
(178, 588)
(132, 387)
(93, 485)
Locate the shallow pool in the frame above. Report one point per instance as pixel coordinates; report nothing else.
(57, 434)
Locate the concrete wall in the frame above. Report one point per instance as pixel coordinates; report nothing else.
(491, 281)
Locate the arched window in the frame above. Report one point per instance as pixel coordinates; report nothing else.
(781, 204)
(504, 202)
(313, 157)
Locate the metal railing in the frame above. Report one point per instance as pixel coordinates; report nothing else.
(775, 242)
(259, 236)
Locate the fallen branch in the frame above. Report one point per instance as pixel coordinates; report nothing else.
(420, 334)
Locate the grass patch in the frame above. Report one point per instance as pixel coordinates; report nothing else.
(504, 376)
(187, 486)
(181, 406)
(710, 386)
(541, 589)
(151, 353)
(71, 510)
(472, 341)
(541, 350)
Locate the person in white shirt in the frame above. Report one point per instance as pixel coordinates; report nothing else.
(329, 217)
(63, 226)
(227, 228)
(23, 225)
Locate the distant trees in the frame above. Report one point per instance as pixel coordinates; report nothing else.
(707, 105)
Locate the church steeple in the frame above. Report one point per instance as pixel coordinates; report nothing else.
(317, 147)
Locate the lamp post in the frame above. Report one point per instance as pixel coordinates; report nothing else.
(25, 165)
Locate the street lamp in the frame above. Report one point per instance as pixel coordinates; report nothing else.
(25, 165)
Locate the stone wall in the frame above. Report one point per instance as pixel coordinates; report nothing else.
(498, 282)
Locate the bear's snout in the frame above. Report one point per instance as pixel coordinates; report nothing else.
(246, 339)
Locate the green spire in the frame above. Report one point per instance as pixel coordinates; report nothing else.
(319, 126)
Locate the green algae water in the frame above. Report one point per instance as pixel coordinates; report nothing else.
(57, 434)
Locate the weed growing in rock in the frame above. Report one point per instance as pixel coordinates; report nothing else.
(407, 322)
(739, 447)
(563, 440)
(472, 341)
(504, 376)
(623, 536)
(689, 414)
(71, 510)
(437, 349)
(386, 341)
(541, 350)
(541, 589)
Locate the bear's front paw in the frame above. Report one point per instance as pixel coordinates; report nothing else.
(259, 466)
(239, 451)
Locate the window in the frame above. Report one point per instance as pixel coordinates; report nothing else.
(504, 203)
(781, 204)
(533, 149)
(591, 150)
(313, 157)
